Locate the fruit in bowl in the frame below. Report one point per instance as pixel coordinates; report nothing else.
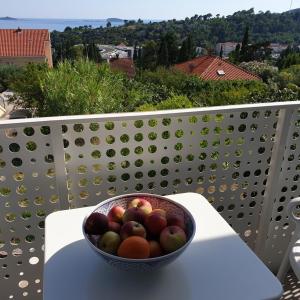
(132, 228)
(140, 231)
(141, 203)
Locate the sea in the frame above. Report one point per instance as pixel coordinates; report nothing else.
(56, 24)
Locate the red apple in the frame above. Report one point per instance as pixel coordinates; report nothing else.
(134, 214)
(96, 223)
(172, 238)
(155, 249)
(142, 204)
(155, 223)
(132, 228)
(116, 214)
(109, 242)
(159, 211)
(174, 219)
(114, 226)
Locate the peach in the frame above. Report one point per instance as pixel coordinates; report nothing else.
(134, 247)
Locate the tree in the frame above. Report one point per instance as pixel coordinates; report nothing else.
(149, 55)
(171, 41)
(221, 52)
(265, 71)
(187, 50)
(289, 57)
(79, 87)
(163, 53)
(183, 52)
(8, 75)
(91, 51)
(135, 52)
(108, 24)
(76, 52)
(191, 47)
(245, 42)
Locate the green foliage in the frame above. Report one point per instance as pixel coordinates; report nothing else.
(81, 87)
(294, 72)
(288, 58)
(173, 102)
(264, 70)
(149, 55)
(84, 87)
(274, 94)
(8, 74)
(249, 52)
(187, 50)
(28, 87)
(163, 53)
(91, 52)
(199, 92)
(263, 26)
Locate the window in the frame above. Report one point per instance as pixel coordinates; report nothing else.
(221, 72)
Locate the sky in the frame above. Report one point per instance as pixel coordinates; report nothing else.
(134, 9)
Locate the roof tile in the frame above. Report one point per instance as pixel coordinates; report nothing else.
(23, 42)
(207, 68)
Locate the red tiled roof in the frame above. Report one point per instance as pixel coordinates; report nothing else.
(23, 42)
(207, 68)
(125, 65)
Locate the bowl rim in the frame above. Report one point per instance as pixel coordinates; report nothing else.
(142, 260)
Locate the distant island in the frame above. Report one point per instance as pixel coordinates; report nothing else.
(114, 20)
(8, 19)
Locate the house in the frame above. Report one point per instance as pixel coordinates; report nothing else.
(277, 49)
(112, 51)
(125, 65)
(227, 47)
(129, 50)
(22, 46)
(210, 67)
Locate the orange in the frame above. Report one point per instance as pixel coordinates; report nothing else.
(134, 247)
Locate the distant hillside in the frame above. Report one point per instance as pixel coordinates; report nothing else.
(205, 29)
(296, 10)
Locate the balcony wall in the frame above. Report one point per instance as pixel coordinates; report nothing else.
(244, 159)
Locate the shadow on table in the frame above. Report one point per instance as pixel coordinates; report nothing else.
(209, 267)
(79, 274)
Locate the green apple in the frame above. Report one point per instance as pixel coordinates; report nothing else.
(109, 242)
(172, 238)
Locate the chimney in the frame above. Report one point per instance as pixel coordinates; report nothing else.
(18, 30)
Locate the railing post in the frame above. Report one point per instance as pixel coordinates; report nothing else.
(59, 162)
(283, 125)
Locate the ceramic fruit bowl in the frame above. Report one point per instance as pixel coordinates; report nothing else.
(168, 225)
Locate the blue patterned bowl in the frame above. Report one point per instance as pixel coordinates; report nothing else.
(148, 263)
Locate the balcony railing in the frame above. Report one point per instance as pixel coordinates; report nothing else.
(244, 159)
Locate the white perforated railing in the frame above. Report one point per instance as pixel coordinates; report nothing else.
(244, 159)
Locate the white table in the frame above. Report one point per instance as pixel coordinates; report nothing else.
(216, 265)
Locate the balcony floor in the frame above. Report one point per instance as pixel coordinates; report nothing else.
(291, 287)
